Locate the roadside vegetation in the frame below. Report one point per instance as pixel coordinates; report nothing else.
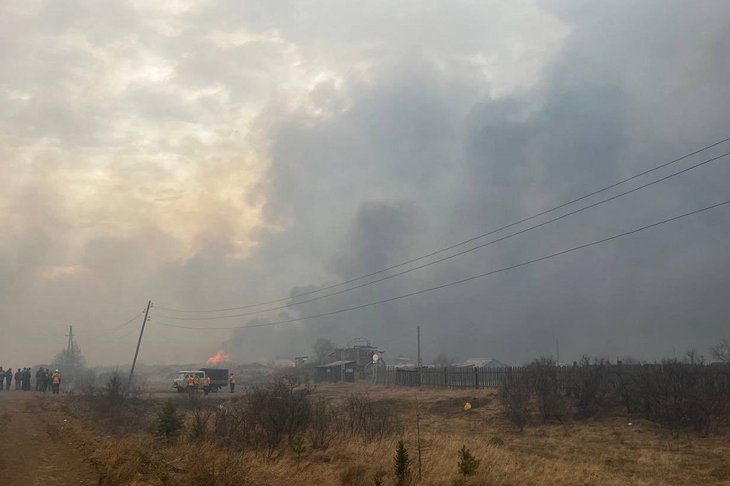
(596, 424)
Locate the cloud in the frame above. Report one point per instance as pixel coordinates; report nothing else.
(213, 154)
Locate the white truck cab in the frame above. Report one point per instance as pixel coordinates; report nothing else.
(181, 380)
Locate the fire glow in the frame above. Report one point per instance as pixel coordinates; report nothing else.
(218, 358)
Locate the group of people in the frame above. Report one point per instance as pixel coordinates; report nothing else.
(44, 379)
(22, 379)
(193, 383)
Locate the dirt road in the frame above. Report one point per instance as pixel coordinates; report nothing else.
(35, 446)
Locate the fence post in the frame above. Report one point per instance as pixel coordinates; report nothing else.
(476, 377)
(446, 376)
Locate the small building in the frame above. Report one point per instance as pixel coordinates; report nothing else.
(335, 372)
(401, 361)
(484, 363)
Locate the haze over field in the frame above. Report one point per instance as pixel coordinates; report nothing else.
(214, 154)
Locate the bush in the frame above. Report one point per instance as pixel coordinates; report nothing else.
(169, 422)
(542, 375)
(402, 465)
(468, 464)
(591, 384)
(368, 419)
(379, 478)
(322, 424)
(354, 476)
(297, 446)
(496, 441)
(264, 417)
(199, 426)
(514, 394)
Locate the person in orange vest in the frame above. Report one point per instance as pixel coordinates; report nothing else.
(55, 382)
(232, 382)
(206, 388)
(196, 382)
(191, 385)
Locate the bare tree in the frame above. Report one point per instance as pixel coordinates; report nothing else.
(721, 351)
(323, 350)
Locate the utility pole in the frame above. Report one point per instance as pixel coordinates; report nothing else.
(418, 359)
(139, 341)
(70, 360)
(70, 345)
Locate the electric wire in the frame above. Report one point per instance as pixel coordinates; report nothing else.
(454, 255)
(456, 245)
(456, 282)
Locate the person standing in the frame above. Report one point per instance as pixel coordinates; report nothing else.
(2, 382)
(206, 386)
(8, 378)
(18, 376)
(232, 382)
(56, 382)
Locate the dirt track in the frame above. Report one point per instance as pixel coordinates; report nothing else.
(34, 447)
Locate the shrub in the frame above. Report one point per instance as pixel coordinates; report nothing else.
(297, 446)
(402, 465)
(379, 478)
(354, 476)
(591, 386)
(169, 422)
(368, 419)
(496, 441)
(542, 375)
(199, 426)
(468, 464)
(514, 394)
(322, 424)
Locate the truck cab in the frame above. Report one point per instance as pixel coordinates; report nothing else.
(181, 379)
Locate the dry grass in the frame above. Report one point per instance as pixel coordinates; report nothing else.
(606, 451)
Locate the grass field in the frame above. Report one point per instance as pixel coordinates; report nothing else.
(609, 450)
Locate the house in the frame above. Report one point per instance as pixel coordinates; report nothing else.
(401, 361)
(484, 363)
(362, 355)
(335, 372)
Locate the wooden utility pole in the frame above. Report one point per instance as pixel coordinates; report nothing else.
(418, 435)
(139, 341)
(418, 360)
(70, 345)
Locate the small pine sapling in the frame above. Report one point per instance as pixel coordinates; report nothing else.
(468, 464)
(402, 465)
(169, 422)
(297, 446)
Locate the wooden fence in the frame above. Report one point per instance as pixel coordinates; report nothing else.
(447, 377)
(566, 376)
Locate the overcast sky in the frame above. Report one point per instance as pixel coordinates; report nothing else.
(213, 154)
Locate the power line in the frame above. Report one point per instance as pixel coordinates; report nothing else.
(455, 245)
(464, 280)
(129, 321)
(454, 255)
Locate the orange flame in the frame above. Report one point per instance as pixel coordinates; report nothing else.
(218, 358)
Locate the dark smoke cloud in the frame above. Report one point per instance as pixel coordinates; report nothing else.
(213, 155)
